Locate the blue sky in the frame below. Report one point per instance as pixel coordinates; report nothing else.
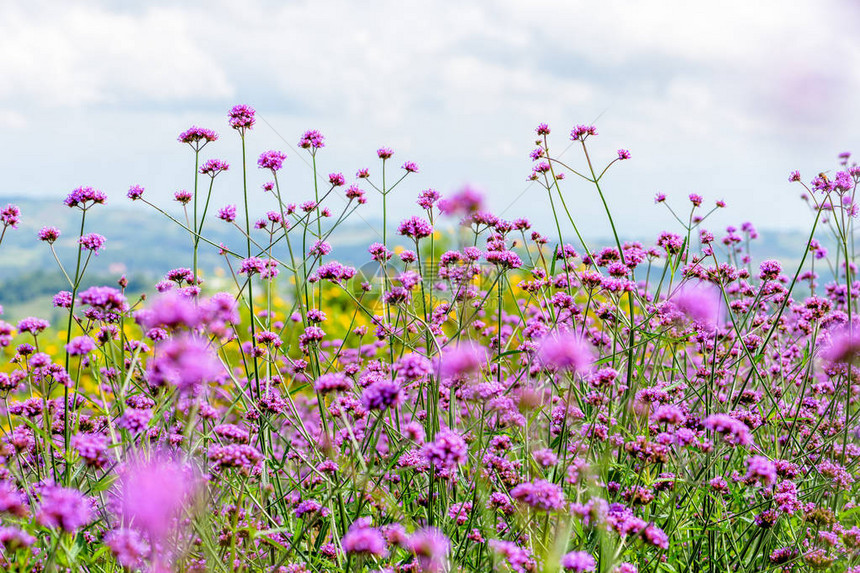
(722, 99)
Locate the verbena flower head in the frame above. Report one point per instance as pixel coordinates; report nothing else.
(13, 539)
(273, 160)
(415, 228)
(10, 216)
(185, 362)
(84, 198)
(447, 450)
(135, 192)
(700, 302)
(214, 167)
(80, 346)
(104, 298)
(565, 351)
(153, 493)
(581, 132)
(578, 562)
(128, 546)
(362, 539)
(382, 395)
(241, 117)
(197, 137)
(63, 508)
(49, 234)
(465, 202)
(540, 494)
(227, 213)
(464, 358)
(312, 140)
(33, 325)
(92, 242)
(844, 346)
(431, 548)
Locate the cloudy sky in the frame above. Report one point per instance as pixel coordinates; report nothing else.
(722, 99)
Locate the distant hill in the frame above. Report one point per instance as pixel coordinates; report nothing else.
(143, 245)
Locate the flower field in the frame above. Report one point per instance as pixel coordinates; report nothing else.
(481, 396)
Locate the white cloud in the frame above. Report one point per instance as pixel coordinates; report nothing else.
(10, 119)
(84, 54)
(455, 86)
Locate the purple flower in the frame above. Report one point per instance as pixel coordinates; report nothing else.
(213, 167)
(227, 213)
(241, 117)
(382, 395)
(540, 494)
(364, 540)
(63, 508)
(104, 298)
(353, 192)
(844, 346)
(415, 227)
(14, 539)
(700, 302)
(734, 431)
(80, 346)
(336, 179)
(182, 196)
(447, 450)
(542, 129)
(623, 154)
(12, 501)
(273, 160)
(49, 234)
(92, 448)
(127, 546)
(266, 268)
(152, 494)
(413, 366)
(243, 458)
(769, 270)
(431, 548)
(428, 198)
(761, 470)
(565, 351)
(32, 325)
(334, 272)
(384, 153)
(655, 536)
(84, 198)
(578, 562)
(135, 192)
(134, 420)
(312, 139)
(92, 242)
(10, 216)
(332, 382)
(466, 201)
(62, 299)
(410, 167)
(185, 362)
(581, 132)
(520, 559)
(194, 134)
(464, 358)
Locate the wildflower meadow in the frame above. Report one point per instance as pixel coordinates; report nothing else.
(481, 396)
